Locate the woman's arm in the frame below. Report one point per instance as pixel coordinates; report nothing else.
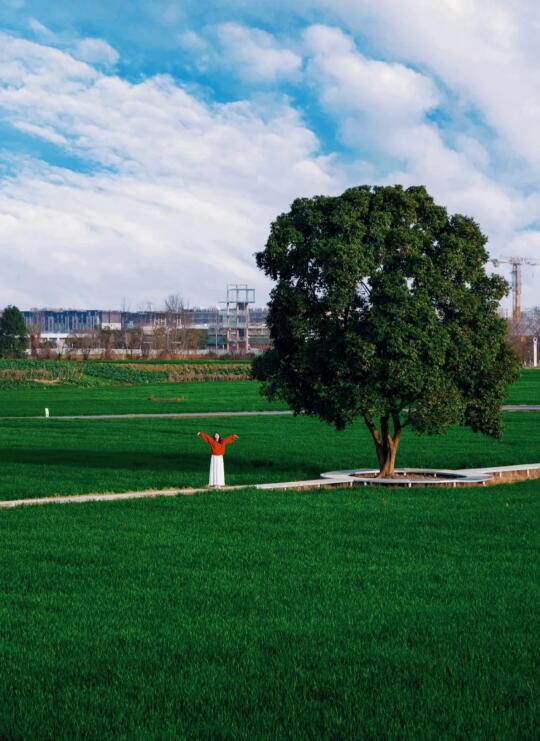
(229, 439)
(205, 437)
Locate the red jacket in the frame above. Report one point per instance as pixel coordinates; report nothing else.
(218, 448)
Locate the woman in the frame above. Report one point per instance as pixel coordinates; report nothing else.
(218, 446)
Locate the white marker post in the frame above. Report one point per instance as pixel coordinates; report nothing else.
(46, 412)
(535, 352)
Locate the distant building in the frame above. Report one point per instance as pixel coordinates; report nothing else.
(233, 327)
(111, 320)
(235, 317)
(55, 340)
(63, 320)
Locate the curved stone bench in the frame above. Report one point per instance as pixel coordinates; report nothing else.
(438, 477)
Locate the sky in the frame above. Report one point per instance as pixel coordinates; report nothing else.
(147, 145)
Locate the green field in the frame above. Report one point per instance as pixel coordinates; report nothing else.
(350, 614)
(41, 457)
(527, 389)
(94, 387)
(46, 457)
(334, 614)
(191, 396)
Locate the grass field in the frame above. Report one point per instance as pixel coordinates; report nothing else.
(336, 614)
(144, 394)
(45, 457)
(191, 396)
(277, 615)
(527, 389)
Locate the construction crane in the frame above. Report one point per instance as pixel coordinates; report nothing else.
(516, 263)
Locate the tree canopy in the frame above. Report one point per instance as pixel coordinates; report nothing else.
(382, 309)
(13, 334)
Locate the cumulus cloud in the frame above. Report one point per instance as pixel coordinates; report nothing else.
(349, 82)
(387, 112)
(485, 51)
(443, 94)
(95, 51)
(256, 55)
(180, 195)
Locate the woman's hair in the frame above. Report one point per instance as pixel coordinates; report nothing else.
(220, 439)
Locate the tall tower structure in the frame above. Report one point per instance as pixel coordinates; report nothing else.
(516, 263)
(235, 317)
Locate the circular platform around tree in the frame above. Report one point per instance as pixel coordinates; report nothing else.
(409, 477)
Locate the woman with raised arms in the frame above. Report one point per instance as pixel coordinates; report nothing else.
(218, 446)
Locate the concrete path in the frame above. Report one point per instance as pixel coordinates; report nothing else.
(152, 493)
(498, 474)
(163, 415)
(309, 484)
(521, 408)
(195, 415)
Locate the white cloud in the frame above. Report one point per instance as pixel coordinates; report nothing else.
(256, 55)
(197, 50)
(381, 109)
(486, 51)
(46, 134)
(440, 93)
(39, 29)
(95, 51)
(352, 83)
(181, 194)
(192, 41)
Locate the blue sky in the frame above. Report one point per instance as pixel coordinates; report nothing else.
(147, 146)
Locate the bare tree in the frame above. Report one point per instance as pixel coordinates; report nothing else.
(174, 305)
(178, 322)
(132, 340)
(521, 333)
(35, 329)
(84, 342)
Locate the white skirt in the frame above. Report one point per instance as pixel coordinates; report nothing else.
(217, 471)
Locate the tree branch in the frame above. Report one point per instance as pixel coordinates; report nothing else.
(373, 429)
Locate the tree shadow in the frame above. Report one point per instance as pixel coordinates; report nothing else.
(135, 460)
(153, 461)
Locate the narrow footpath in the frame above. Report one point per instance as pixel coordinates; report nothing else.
(186, 492)
(161, 415)
(194, 415)
(497, 475)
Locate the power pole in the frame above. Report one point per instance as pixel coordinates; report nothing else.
(516, 263)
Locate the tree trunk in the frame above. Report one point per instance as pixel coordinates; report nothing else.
(388, 463)
(386, 443)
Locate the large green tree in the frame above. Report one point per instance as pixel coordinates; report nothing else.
(13, 334)
(382, 309)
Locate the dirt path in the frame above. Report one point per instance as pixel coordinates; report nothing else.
(110, 497)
